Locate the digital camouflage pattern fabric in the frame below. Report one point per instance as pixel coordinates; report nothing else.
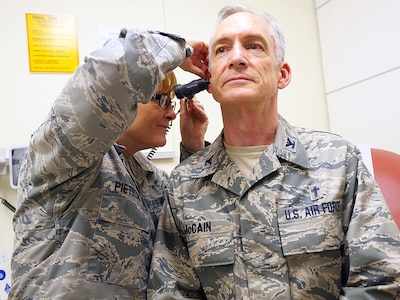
(310, 223)
(86, 217)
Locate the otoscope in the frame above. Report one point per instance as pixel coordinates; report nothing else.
(189, 89)
(185, 91)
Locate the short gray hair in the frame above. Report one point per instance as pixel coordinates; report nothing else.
(275, 28)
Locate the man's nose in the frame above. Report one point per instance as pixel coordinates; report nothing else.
(238, 56)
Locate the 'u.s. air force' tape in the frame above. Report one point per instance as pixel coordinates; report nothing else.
(309, 211)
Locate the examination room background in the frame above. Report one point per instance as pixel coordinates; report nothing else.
(344, 56)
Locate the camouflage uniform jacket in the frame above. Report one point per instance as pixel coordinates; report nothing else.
(86, 217)
(310, 223)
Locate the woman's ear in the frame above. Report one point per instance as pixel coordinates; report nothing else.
(286, 75)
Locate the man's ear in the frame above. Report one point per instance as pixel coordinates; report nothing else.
(286, 75)
(209, 89)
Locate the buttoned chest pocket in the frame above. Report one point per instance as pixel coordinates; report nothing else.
(311, 228)
(210, 241)
(312, 240)
(122, 242)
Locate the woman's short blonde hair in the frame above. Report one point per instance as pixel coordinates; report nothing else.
(167, 85)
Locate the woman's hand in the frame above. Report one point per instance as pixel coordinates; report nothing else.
(197, 63)
(193, 124)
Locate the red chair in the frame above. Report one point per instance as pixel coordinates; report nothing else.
(387, 175)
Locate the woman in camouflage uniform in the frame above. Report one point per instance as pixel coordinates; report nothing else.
(88, 201)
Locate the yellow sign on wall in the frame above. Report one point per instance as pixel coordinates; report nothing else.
(52, 43)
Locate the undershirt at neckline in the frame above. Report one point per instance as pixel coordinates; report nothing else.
(245, 157)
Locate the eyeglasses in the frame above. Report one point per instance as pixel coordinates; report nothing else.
(164, 101)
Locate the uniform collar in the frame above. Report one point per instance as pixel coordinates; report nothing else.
(139, 157)
(145, 163)
(287, 146)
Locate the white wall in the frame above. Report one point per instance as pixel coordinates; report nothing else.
(25, 97)
(360, 49)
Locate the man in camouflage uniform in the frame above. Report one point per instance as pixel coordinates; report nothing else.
(87, 213)
(269, 210)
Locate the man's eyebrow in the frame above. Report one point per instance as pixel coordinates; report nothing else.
(249, 36)
(221, 40)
